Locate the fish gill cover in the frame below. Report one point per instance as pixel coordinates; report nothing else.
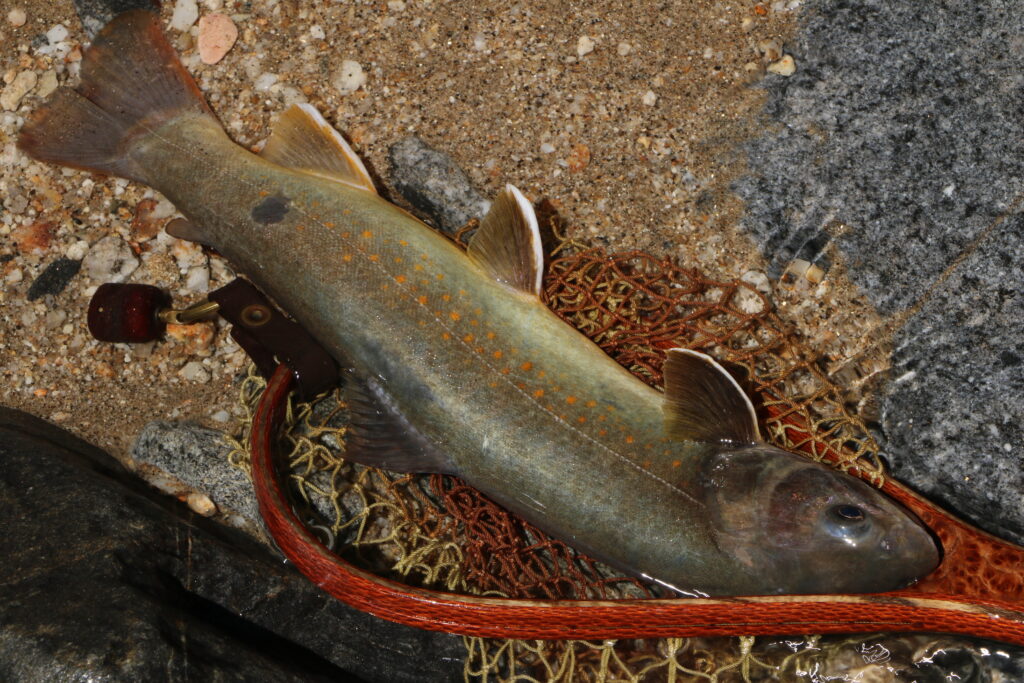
(435, 531)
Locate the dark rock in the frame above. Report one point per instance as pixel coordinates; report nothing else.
(903, 123)
(434, 185)
(94, 14)
(104, 579)
(54, 278)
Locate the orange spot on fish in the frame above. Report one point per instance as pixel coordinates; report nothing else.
(629, 438)
(300, 228)
(346, 234)
(374, 257)
(581, 419)
(497, 354)
(491, 335)
(454, 315)
(591, 404)
(493, 384)
(526, 367)
(422, 300)
(570, 400)
(468, 339)
(440, 276)
(346, 257)
(541, 373)
(398, 259)
(417, 267)
(446, 297)
(506, 371)
(399, 279)
(677, 463)
(403, 243)
(264, 193)
(367, 234)
(538, 393)
(445, 336)
(602, 432)
(329, 224)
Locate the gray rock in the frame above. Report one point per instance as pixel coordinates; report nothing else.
(903, 122)
(54, 278)
(435, 186)
(104, 579)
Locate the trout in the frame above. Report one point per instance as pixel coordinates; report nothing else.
(456, 366)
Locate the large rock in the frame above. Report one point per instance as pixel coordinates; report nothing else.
(104, 579)
(903, 121)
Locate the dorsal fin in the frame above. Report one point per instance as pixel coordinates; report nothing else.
(378, 434)
(303, 140)
(507, 244)
(704, 403)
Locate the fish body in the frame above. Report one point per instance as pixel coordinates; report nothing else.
(457, 366)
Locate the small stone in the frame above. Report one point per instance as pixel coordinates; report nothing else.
(264, 82)
(784, 67)
(47, 84)
(221, 416)
(198, 279)
(54, 278)
(144, 225)
(201, 504)
(34, 238)
(584, 46)
(17, 17)
(747, 24)
(77, 251)
(193, 371)
(57, 34)
(770, 49)
(547, 148)
(14, 277)
(396, 5)
(623, 49)
(217, 34)
(650, 99)
(110, 260)
(196, 337)
(316, 32)
(17, 89)
(185, 14)
(579, 157)
(349, 78)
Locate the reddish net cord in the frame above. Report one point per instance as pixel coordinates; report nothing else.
(977, 590)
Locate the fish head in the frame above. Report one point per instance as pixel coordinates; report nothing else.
(799, 527)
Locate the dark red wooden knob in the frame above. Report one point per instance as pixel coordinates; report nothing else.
(127, 313)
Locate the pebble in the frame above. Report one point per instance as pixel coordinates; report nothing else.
(264, 82)
(221, 416)
(57, 34)
(54, 278)
(17, 17)
(77, 251)
(650, 99)
(17, 89)
(110, 260)
(201, 504)
(193, 371)
(784, 67)
(350, 77)
(584, 46)
(198, 279)
(217, 35)
(185, 14)
(47, 84)
(547, 148)
(624, 49)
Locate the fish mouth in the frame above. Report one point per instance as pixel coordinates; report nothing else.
(912, 548)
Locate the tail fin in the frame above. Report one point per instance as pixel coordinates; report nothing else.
(132, 82)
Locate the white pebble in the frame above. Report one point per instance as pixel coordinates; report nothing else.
(14, 276)
(186, 12)
(193, 371)
(17, 17)
(77, 251)
(17, 89)
(110, 260)
(221, 416)
(547, 148)
(350, 77)
(264, 82)
(396, 5)
(201, 504)
(316, 32)
(480, 42)
(650, 99)
(584, 46)
(784, 67)
(198, 279)
(624, 49)
(57, 34)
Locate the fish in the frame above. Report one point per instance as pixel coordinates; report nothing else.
(455, 365)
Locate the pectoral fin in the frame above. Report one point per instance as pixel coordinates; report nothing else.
(303, 140)
(378, 434)
(507, 245)
(704, 403)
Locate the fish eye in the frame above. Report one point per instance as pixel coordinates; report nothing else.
(848, 522)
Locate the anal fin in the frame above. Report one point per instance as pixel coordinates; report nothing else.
(378, 434)
(302, 140)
